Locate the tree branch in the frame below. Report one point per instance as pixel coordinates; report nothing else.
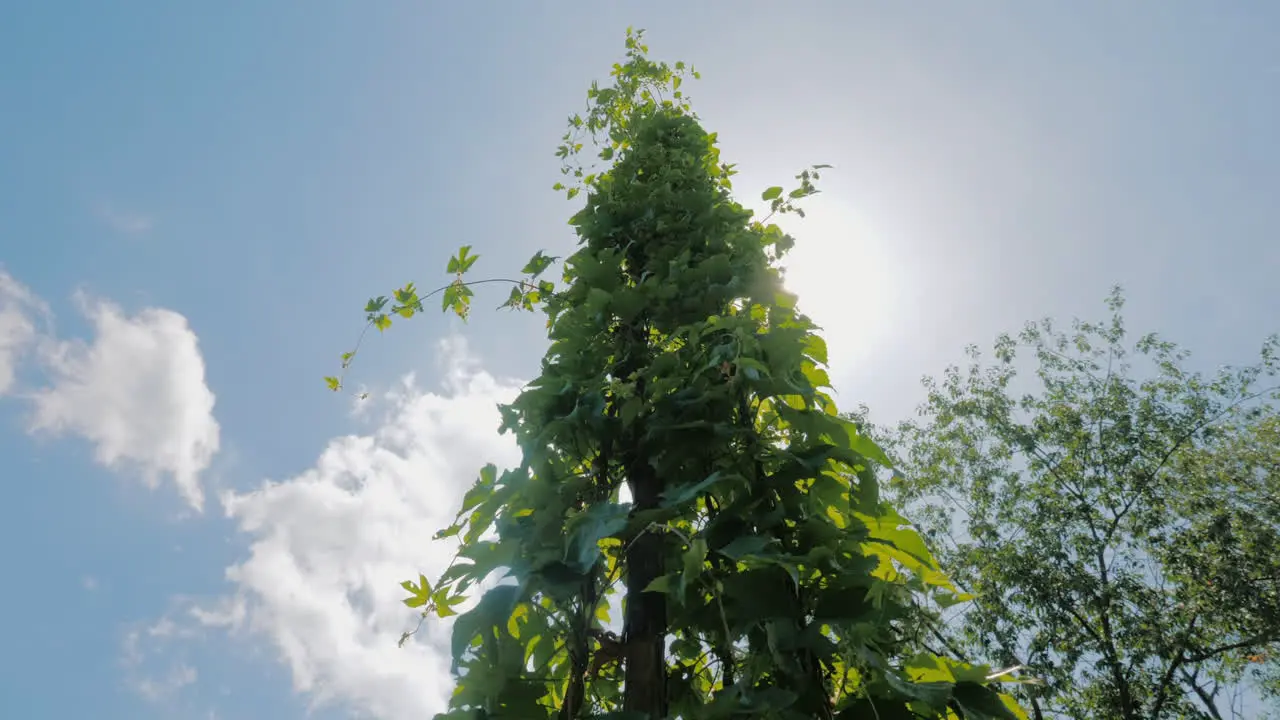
(1259, 639)
(1206, 697)
(1166, 680)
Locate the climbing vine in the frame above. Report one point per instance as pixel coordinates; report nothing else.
(683, 465)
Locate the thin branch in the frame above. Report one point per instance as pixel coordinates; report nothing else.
(1206, 698)
(1259, 639)
(1166, 680)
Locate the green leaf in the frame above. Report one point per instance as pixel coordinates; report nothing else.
(926, 667)
(448, 532)
(745, 545)
(599, 522)
(935, 694)
(630, 410)
(334, 383)
(481, 489)
(444, 606)
(537, 264)
(946, 599)
(982, 703)
(816, 348)
(864, 445)
(694, 558)
(792, 570)
(888, 528)
(843, 602)
(487, 556)
(420, 593)
(492, 611)
(407, 295)
(772, 193)
(660, 584)
(868, 492)
(684, 493)
(514, 299)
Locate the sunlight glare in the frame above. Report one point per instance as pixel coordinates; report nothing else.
(849, 282)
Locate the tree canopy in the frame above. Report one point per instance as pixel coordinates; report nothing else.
(1116, 515)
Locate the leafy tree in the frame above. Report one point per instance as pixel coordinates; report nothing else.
(679, 450)
(1117, 518)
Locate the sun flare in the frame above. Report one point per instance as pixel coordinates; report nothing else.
(849, 282)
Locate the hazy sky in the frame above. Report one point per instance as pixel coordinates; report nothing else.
(197, 199)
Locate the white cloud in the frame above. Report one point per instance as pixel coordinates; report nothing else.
(137, 393)
(17, 329)
(330, 546)
(157, 689)
(151, 673)
(124, 222)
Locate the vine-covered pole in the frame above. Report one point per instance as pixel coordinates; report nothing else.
(680, 452)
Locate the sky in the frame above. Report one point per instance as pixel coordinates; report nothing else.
(195, 204)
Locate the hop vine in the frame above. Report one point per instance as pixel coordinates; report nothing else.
(683, 464)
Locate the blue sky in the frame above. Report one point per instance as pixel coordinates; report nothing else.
(195, 203)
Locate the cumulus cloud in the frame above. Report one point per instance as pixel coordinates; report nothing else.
(18, 307)
(329, 547)
(137, 392)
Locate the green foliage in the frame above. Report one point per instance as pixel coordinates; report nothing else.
(1118, 525)
(680, 451)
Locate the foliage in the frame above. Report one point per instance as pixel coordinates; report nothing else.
(679, 444)
(1117, 524)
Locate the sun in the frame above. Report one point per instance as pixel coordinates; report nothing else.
(848, 281)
